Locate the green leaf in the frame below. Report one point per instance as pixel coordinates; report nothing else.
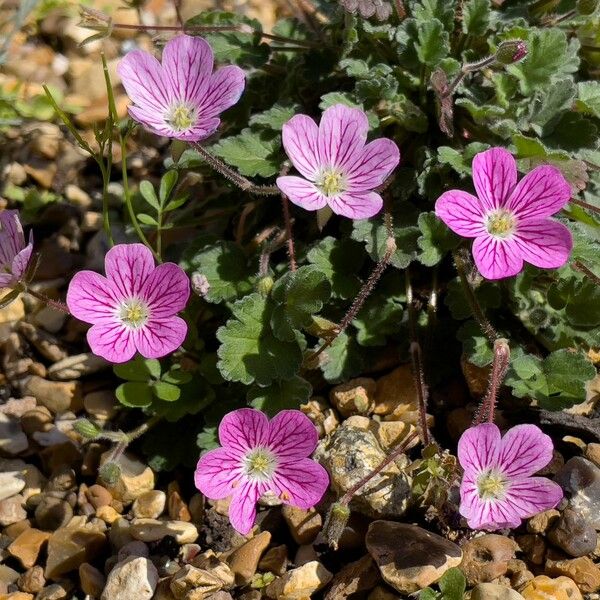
(429, 594)
(339, 260)
(177, 376)
(226, 268)
(460, 161)
(342, 360)
(407, 114)
(276, 117)
(138, 369)
(456, 300)
(251, 152)
(433, 42)
(453, 584)
(548, 105)
(442, 10)
(588, 98)
(280, 395)
(167, 184)
(134, 394)
(476, 17)
(249, 351)
(436, 239)
(147, 219)
(344, 98)
(166, 391)
(149, 194)
(298, 295)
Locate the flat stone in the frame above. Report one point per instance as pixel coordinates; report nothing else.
(355, 397)
(486, 558)
(190, 578)
(492, 591)
(300, 583)
(12, 510)
(580, 479)
(92, 581)
(244, 560)
(27, 546)
(409, 557)
(573, 534)
(152, 530)
(17, 407)
(50, 319)
(32, 580)
(210, 562)
(150, 505)
(57, 396)
(396, 392)
(74, 367)
(135, 577)
(11, 483)
(581, 570)
(545, 588)
(101, 404)
(541, 522)
(134, 479)
(274, 560)
(53, 591)
(12, 439)
(98, 496)
(304, 525)
(16, 596)
(45, 343)
(357, 577)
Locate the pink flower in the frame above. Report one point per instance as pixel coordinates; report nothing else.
(260, 456)
(497, 488)
(134, 307)
(509, 220)
(14, 253)
(181, 98)
(338, 168)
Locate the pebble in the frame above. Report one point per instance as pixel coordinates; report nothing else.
(134, 548)
(322, 415)
(209, 561)
(134, 479)
(56, 396)
(152, 530)
(485, 558)
(541, 522)
(98, 496)
(244, 560)
(545, 588)
(101, 404)
(12, 438)
(573, 534)
(108, 514)
(409, 557)
(52, 592)
(491, 591)
(75, 367)
(274, 560)
(391, 433)
(27, 546)
(17, 407)
(32, 580)
(396, 392)
(16, 596)
(132, 578)
(45, 343)
(304, 525)
(580, 479)
(50, 319)
(91, 580)
(37, 419)
(533, 546)
(11, 483)
(190, 578)
(355, 397)
(150, 505)
(300, 583)
(354, 579)
(581, 570)
(77, 196)
(176, 506)
(12, 510)
(52, 513)
(350, 454)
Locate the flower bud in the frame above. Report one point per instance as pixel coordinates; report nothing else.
(511, 51)
(200, 284)
(336, 521)
(109, 473)
(85, 428)
(265, 285)
(587, 7)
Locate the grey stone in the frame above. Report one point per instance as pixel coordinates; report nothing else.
(574, 534)
(12, 438)
(74, 367)
(580, 479)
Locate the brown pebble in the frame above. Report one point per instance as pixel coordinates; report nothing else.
(27, 546)
(32, 580)
(98, 496)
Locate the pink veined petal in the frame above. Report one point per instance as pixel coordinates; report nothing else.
(152, 120)
(524, 451)
(128, 266)
(532, 495)
(302, 192)
(485, 514)
(187, 63)
(111, 341)
(292, 435)
(12, 238)
(6, 280)
(223, 90)
(302, 483)
(244, 429)
(242, 510)
(356, 205)
(342, 135)
(462, 212)
(144, 81)
(496, 258)
(204, 128)
(478, 449)
(300, 140)
(494, 177)
(545, 243)
(541, 193)
(166, 290)
(373, 165)
(160, 336)
(21, 260)
(217, 473)
(92, 298)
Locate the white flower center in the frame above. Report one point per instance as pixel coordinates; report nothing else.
(491, 485)
(260, 464)
(133, 313)
(181, 116)
(501, 223)
(331, 182)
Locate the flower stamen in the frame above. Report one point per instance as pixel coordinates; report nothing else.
(501, 223)
(331, 182)
(260, 464)
(134, 313)
(491, 485)
(181, 117)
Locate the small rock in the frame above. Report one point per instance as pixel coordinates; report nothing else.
(244, 560)
(152, 530)
(210, 562)
(52, 513)
(52, 592)
(77, 196)
(57, 396)
(32, 580)
(541, 522)
(356, 397)
(17, 407)
(27, 546)
(177, 508)
(16, 596)
(305, 554)
(50, 319)
(91, 580)
(573, 534)
(300, 583)
(134, 548)
(190, 578)
(592, 453)
(491, 591)
(485, 558)
(12, 439)
(74, 367)
(533, 546)
(150, 505)
(133, 578)
(98, 496)
(545, 588)
(8, 576)
(322, 415)
(274, 560)
(11, 483)
(108, 514)
(134, 479)
(11, 510)
(355, 578)
(581, 570)
(37, 419)
(304, 525)
(101, 404)
(46, 344)
(396, 392)
(519, 574)
(390, 433)
(409, 557)
(580, 479)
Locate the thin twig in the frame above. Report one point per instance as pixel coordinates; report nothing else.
(56, 304)
(579, 266)
(585, 205)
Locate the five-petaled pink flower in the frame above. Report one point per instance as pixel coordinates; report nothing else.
(509, 220)
(497, 489)
(338, 168)
(181, 98)
(260, 456)
(134, 307)
(14, 253)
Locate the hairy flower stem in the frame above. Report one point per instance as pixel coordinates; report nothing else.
(579, 266)
(56, 304)
(486, 326)
(585, 205)
(289, 234)
(465, 70)
(400, 9)
(232, 175)
(499, 369)
(417, 362)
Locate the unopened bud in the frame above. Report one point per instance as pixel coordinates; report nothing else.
(109, 473)
(335, 523)
(200, 284)
(511, 51)
(85, 428)
(265, 285)
(587, 7)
